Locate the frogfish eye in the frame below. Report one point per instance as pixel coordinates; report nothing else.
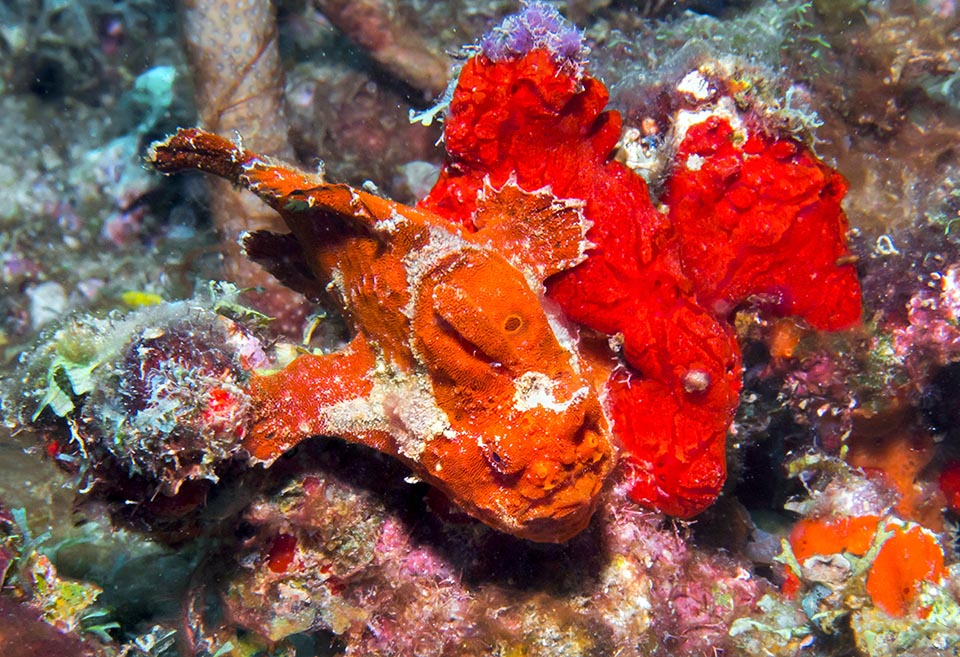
(512, 323)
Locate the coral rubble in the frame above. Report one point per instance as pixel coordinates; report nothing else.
(158, 394)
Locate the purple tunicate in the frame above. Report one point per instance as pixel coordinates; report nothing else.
(570, 44)
(520, 40)
(541, 18)
(492, 46)
(537, 25)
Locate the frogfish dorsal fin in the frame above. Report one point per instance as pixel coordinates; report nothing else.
(539, 233)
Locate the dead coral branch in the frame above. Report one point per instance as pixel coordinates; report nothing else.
(239, 84)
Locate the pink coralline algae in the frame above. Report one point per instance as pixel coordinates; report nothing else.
(387, 586)
(748, 217)
(932, 334)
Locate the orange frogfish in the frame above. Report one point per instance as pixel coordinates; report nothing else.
(455, 367)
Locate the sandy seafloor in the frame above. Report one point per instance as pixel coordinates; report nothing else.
(332, 551)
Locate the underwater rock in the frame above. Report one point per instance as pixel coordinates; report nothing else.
(23, 634)
(340, 548)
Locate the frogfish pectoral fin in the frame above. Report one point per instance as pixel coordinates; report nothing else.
(309, 397)
(282, 255)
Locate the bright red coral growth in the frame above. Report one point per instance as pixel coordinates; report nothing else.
(760, 216)
(910, 556)
(812, 536)
(282, 552)
(950, 485)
